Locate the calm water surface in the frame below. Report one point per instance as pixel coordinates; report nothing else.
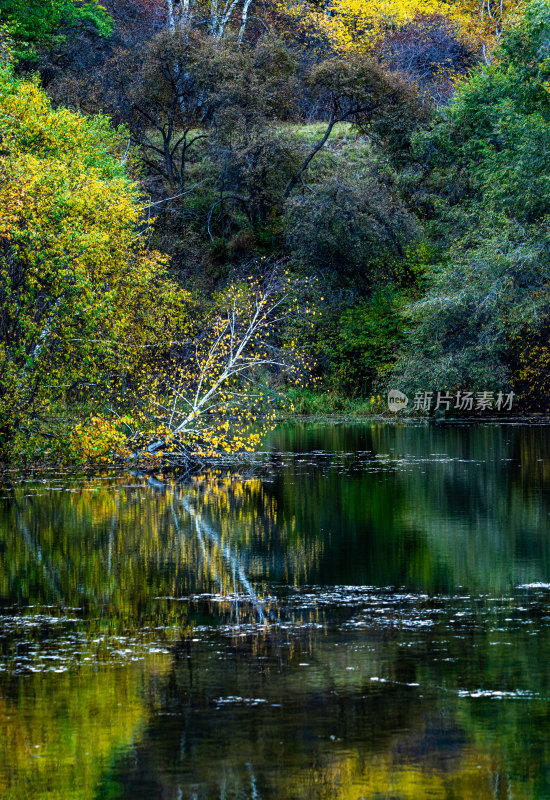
(364, 612)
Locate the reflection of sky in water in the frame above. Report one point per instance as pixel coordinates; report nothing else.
(362, 612)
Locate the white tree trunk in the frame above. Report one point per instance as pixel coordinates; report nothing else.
(244, 17)
(171, 16)
(220, 14)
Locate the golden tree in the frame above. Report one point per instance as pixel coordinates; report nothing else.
(362, 26)
(213, 396)
(82, 298)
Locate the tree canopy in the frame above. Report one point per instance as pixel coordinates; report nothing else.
(39, 22)
(485, 192)
(81, 294)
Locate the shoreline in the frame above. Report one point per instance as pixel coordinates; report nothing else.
(148, 468)
(357, 417)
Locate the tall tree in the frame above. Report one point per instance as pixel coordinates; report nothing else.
(480, 180)
(83, 302)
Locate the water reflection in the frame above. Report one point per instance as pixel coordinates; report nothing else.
(364, 613)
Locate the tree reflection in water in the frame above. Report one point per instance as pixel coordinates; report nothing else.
(343, 623)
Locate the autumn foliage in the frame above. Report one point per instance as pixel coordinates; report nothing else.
(262, 150)
(81, 295)
(354, 25)
(88, 313)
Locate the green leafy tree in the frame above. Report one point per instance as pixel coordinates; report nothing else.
(481, 180)
(366, 341)
(40, 22)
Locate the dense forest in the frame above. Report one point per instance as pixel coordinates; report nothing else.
(211, 212)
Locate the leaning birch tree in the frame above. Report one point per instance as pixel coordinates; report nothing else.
(213, 396)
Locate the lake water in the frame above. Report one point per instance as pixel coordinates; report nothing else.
(362, 612)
